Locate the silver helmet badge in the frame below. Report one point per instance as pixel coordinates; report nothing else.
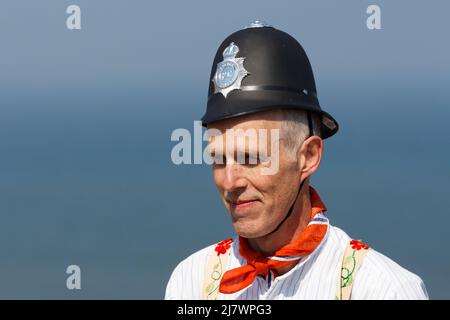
(230, 71)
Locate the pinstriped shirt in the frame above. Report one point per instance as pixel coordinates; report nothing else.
(313, 277)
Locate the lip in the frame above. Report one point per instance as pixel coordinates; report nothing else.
(243, 205)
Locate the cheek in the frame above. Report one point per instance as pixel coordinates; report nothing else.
(277, 188)
(265, 183)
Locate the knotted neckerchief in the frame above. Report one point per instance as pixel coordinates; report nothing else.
(239, 278)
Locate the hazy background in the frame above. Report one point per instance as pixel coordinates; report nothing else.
(86, 117)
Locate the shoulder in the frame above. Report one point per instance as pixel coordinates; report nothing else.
(379, 276)
(187, 277)
(382, 278)
(194, 260)
(338, 238)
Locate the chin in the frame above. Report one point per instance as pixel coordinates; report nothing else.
(247, 230)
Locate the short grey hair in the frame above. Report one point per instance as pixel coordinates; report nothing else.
(295, 129)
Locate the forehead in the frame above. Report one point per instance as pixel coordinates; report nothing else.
(259, 120)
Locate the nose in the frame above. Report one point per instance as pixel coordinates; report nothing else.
(234, 178)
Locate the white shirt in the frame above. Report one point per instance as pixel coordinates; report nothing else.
(313, 277)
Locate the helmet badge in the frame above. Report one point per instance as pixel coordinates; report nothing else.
(230, 71)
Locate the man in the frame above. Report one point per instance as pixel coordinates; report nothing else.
(285, 249)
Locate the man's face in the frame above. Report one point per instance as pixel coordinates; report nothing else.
(257, 202)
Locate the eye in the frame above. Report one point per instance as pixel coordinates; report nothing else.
(251, 159)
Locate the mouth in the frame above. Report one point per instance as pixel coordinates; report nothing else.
(241, 206)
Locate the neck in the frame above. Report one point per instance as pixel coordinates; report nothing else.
(289, 230)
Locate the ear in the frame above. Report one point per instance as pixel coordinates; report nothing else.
(310, 155)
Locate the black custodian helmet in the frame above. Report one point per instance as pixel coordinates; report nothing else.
(261, 68)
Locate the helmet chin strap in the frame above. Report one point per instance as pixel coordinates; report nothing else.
(288, 214)
(290, 210)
